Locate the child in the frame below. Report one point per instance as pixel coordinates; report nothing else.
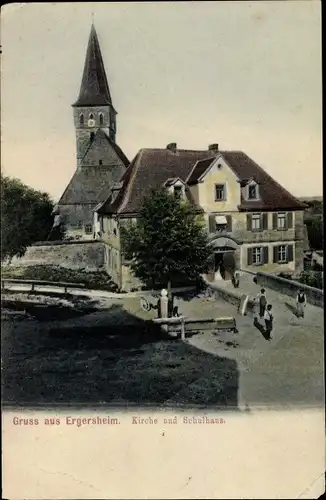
(301, 303)
(262, 302)
(268, 317)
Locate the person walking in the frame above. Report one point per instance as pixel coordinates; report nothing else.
(262, 302)
(255, 310)
(236, 279)
(268, 317)
(301, 302)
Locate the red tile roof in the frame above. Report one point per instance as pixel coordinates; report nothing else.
(152, 167)
(198, 170)
(273, 196)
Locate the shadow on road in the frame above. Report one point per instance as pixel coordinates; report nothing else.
(118, 359)
(291, 308)
(261, 329)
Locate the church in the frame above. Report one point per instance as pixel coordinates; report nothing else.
(253, 222)
(100, 161)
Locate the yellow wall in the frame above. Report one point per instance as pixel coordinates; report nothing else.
(110, 225)
(206, 189)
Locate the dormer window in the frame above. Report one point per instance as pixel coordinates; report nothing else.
(178, 192)
(101, 118)
(252, 192)
(81, 120)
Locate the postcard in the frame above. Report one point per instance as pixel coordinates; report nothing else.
(162, 251)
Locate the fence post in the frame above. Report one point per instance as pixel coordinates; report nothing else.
(183, 333)
(164, 303)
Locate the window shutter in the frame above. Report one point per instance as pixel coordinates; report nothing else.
(249, 256)
(290, 220)
(274, 220)
(290, 253)
(265, 221)
(229, 221)
(212, 223)
(265, 255)
(275, 254)
(249, 223)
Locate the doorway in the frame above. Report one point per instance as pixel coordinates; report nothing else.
(224, 264)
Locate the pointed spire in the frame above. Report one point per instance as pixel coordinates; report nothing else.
(94, 90)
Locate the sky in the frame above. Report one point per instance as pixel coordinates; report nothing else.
(245, 75)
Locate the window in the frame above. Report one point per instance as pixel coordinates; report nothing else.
(102, 224)
(221, 228)
(219, 192)
(252, 192)
(79, 224)
(101, 119)
(113, 125)
(256, 222)
(282, 253)
(81, 120)
(177, 192)
(91, 136)
(257, 255)
(100, 162)
(281, 221)
(91, 116)
(220, 223)
(88, 228)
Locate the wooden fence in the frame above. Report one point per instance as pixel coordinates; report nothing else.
(35, 283)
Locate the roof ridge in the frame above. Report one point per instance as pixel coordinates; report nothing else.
(130, 181)
(198, 162)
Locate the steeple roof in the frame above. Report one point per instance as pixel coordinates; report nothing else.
(94, 89)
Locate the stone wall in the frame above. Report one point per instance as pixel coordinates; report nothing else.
(315, 296)
(230, 296)
(87, 255)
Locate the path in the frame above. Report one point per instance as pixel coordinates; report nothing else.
(286, 370)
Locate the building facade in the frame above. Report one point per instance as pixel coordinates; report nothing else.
(100, 161)
(253, 222)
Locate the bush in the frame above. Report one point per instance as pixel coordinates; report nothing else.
(311, 278)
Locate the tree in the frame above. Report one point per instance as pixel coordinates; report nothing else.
(168, 243)
(26, 217)
(315, 231)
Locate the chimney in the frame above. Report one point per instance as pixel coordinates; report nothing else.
(172, 147)
(213, 148)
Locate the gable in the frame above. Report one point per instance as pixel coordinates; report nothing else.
(217, 178)
(219, 170)
(89, 185)
(102, 152)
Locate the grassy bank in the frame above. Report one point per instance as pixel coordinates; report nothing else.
(98, 280)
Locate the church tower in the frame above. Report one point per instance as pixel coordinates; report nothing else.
(100, 161)
(94, 108)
